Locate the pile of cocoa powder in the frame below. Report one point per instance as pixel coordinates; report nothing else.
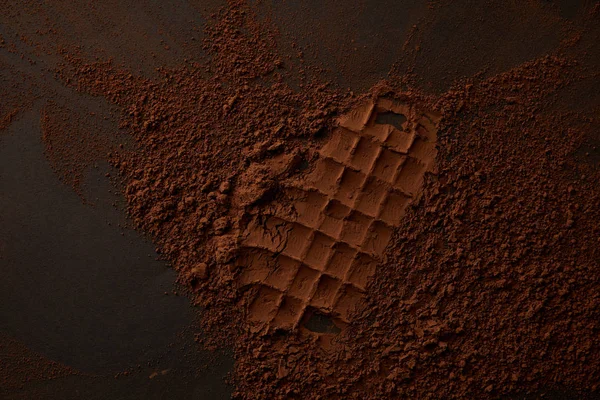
(490, 286)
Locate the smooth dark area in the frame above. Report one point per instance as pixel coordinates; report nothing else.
(321, 324)
(330, 33)
(180, 371)
(390, 118)
(73, 287)
(78, 288)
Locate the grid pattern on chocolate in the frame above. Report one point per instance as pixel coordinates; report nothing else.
(323, 256)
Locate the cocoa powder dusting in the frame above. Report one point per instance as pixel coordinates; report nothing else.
(392, 244)
(20, 366)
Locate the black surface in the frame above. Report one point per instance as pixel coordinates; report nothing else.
(83, 291)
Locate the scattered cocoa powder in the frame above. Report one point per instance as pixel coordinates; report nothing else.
(489, 287)
(20, 366)
(73, 142)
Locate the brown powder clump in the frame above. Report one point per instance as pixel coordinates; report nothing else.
(197, 130)
(489, 284)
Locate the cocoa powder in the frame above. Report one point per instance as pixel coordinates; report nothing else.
(487, 285)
